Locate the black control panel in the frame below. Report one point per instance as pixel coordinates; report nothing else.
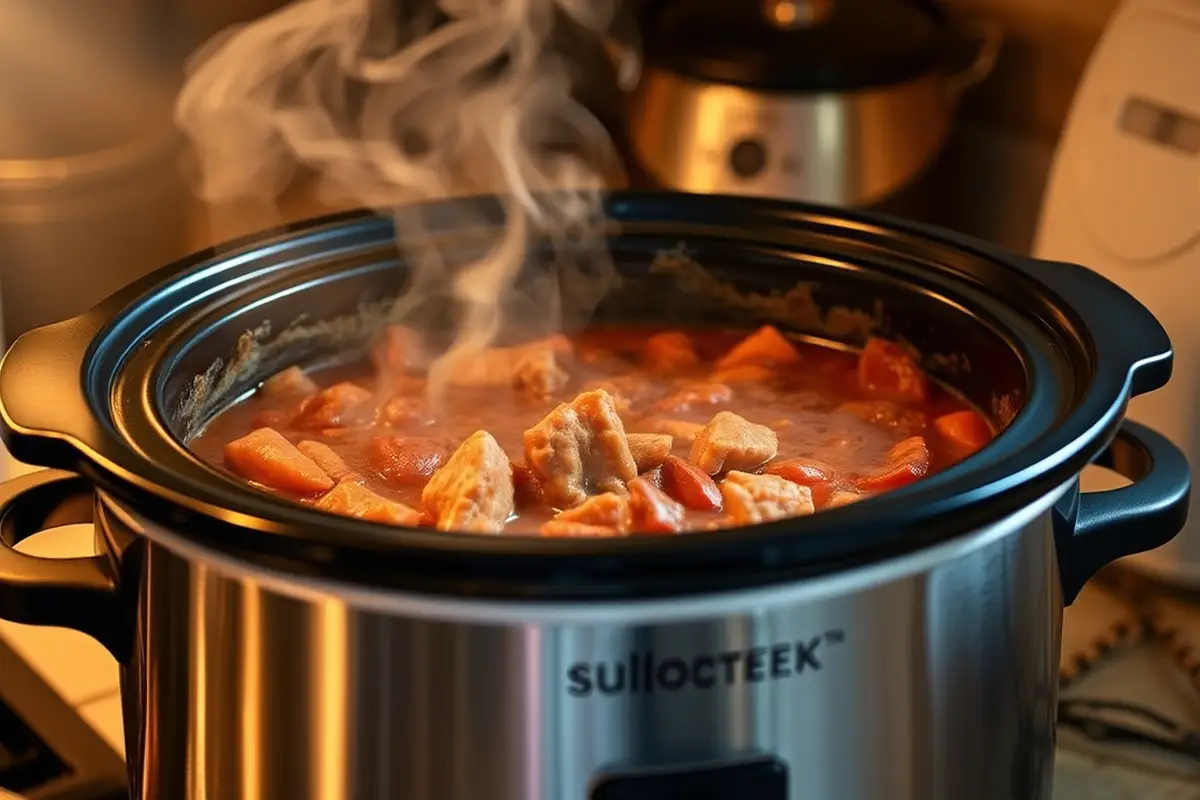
(758, 779)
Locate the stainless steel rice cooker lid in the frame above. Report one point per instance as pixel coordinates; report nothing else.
(800, 45)
(104, 394)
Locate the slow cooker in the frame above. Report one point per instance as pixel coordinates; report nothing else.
(904, 647)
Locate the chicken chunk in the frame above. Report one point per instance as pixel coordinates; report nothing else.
(324, 457)
(649, 450)
(765, 347)
(498, 366)
(290, 384)
(608, 510)
(351, 499)
(730, 442)
(750, 499)
(473, 491)
(580, 449)
(265, 456)
(538, 374)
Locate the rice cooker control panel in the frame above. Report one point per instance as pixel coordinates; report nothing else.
(761, 779)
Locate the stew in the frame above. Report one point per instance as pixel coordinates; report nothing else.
(618, 431)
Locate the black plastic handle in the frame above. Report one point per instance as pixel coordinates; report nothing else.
(1142, 516)
(78, 593)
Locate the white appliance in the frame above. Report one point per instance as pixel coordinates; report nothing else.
(1124, 199)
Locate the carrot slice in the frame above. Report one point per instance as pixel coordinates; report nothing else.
(907, 461)
(888, 370)
(651, 511)
(967, 429)
(265, 456)
(689, 485)
(822, 479)
(765, 347)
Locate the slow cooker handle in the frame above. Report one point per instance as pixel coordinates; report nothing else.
(1106, 526)
(77, 593)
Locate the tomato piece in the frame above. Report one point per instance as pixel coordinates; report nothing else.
(266, 457)
(968, 429)
(888, 370)
(907, 461)
(406, 461)
(689, 485)
(652, 511)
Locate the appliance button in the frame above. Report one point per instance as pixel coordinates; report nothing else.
(761, 779)
(747, 158)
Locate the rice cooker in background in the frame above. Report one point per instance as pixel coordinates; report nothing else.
(1124, 198)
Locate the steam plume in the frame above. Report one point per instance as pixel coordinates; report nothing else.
(395, 101)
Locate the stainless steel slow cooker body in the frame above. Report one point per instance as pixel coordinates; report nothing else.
(905, 647)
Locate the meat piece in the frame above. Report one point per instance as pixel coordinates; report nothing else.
(906, 462)
(608, 510)
(557, 528)
(765, 347)
(538, 374)
(343, 405)
(473, 491)
(887, 414)
(669, 352)
(747, 373)
(649, 449)
(400, 350)
(888, 370)
(497, 366)
(324, 457)
(750, 499)
(407, 411)
(652, 511)
(580, 449)
(689, 485)
(818, 476)
(679, 429)
(405, 460)
(351, 499)
(697, 394)
(967, 430)
(290, 385)
(730, 442)
(265, 456)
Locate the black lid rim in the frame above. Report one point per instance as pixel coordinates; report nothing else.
(1042, 450)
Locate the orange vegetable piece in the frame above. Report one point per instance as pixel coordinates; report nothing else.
(968, 429)
(747, 373)
(818, 476)
(265, 456)
(765, 347)
(324, 457)
(566, 529)
(352, 499)
(406, 461)
(907, 461)
(341, 405)
(690, 485)
(527, 489)
(669, 352)
(888, 370)
(652, 511)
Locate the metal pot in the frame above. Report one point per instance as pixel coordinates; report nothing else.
(904, 647)
(831, 101)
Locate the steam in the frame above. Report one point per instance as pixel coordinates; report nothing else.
(397, 101)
